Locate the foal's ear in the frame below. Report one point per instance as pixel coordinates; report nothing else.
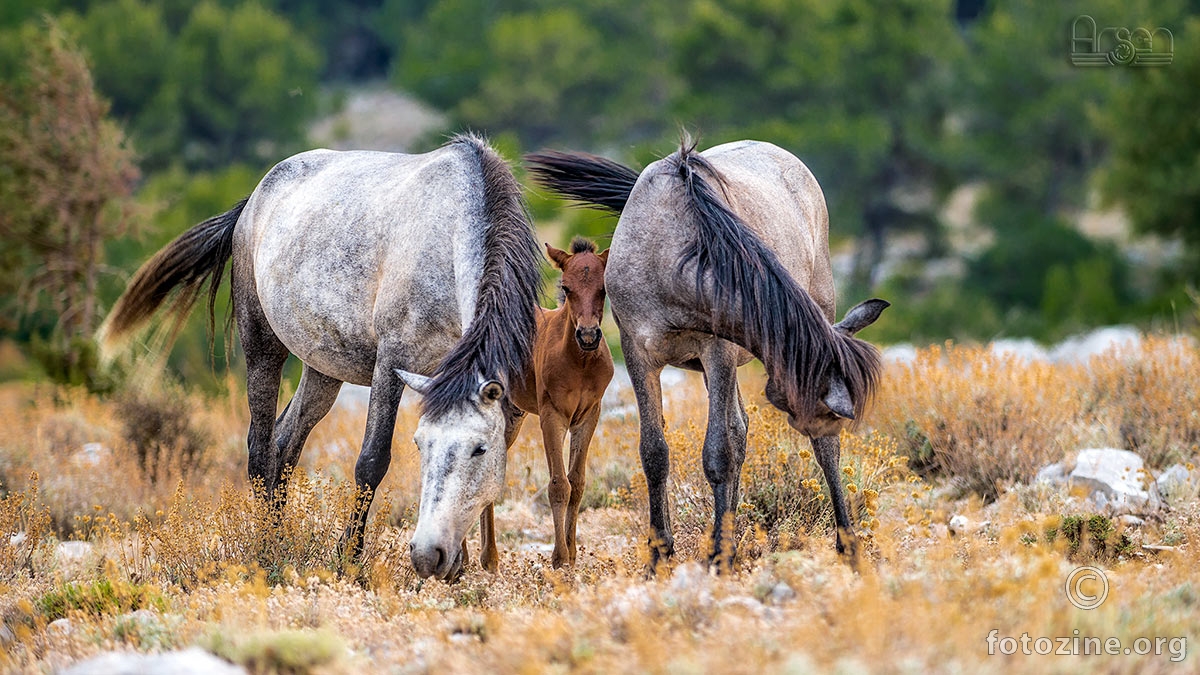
(603, 256)
(558, 256)
(418, 383)
(861, 315)
(491, 391)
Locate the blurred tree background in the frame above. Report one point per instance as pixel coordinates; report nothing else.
(975, 177)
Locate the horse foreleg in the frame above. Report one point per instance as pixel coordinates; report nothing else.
(553, 430)
(581, 439)
(652, 446)
(828, 450)
(376, 453)
(724, 446)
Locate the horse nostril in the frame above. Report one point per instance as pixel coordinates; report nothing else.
(441, 557)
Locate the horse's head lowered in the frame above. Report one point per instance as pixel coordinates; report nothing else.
(582, 289)
(837, 407)
(463, 454)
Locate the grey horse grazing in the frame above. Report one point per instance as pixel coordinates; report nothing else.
(718, 257)
(363, 264)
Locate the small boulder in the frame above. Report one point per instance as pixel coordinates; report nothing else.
(194, 661)
(1115, 480)
(1177, 483)
(958, 525)
(1054, 474)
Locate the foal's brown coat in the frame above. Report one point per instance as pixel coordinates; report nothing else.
(570, 369)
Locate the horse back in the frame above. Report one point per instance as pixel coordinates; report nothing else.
(345, 250)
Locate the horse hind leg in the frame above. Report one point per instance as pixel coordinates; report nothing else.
(652, 446)
(724, 445)
(265, 356)
(313, 400)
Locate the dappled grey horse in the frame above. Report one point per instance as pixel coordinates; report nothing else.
(719, 257)
(379, 269)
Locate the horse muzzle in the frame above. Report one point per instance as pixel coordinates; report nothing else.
(589, 339)
(436, 561)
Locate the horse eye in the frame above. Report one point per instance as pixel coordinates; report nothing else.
(479, 451)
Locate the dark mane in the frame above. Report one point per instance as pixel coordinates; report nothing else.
(499, 340)
(581, 245)
(771, 315)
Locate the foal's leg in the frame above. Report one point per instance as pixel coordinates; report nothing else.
(652, 446)
(376, 453)
(554, 428)
(724, 444)
(309, 405)
(489, 555)
(828, 450)
(265, 356)
(581, 439)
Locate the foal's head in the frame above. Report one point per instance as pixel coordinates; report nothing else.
(582, 289)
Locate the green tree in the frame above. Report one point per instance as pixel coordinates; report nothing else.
(1155, 134)
(861, 91)
(66, 175)
(245, 83)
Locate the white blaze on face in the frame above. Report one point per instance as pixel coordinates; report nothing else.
(462, 470)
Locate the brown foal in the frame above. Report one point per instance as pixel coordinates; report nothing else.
(570, 369)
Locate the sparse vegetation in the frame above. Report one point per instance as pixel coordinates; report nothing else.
(200, 561)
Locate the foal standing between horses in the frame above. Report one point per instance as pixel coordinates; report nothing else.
(718, 257)
(563, 386)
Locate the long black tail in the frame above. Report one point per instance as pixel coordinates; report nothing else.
(583, 177)
(179, 272)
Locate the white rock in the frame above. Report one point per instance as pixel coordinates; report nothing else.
(1081, 348)
(1054, 474)
(194, 661)
(958, 525)
(1023, 349)
(1115, 480)
(17, 539)
(781, 593)
(1131, 520)
(1177, 483)
(900, 353)
(60, 627)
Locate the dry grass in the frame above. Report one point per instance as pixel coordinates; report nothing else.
(181, 555)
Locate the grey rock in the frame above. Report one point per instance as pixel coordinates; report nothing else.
(1177, 483)
(1054, 474)
(1115, 480)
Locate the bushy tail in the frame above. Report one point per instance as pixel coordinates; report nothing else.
(583, 177)
(179, 272)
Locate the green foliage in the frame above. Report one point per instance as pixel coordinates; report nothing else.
(1090, 537)
(294, 652)
(1155, 168)
(102, 597)
(242, 78)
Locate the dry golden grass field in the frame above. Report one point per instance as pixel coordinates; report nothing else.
(177, 553)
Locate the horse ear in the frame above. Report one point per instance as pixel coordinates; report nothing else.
(491, 391)
(603, 256)
(557, 256)
(838, 399)
(418, 383)
(861, 315)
